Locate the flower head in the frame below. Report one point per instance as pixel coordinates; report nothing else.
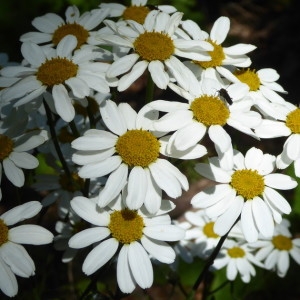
(275, 251)
(134, 232)
(154, 47)
(130, 151)
(52, 28)
(57, 71)
(14, 259)
(247, 190)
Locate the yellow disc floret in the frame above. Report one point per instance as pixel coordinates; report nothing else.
(136, 13)
(138, 148)
(56, 71)
(6, 146)
(293, 120)
(71, 184)
(210, 110)
(152, 46)
(249, 77)
(236, 252)
(282, 243)
(208, 230)
(217, 56)
(3, 233)
(126, 226)
(75, 29)
(248, 183)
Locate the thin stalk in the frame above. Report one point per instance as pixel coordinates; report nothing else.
(55, 140)
(150, 89)
(74, 129)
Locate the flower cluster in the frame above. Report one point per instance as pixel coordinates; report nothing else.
(112, 170)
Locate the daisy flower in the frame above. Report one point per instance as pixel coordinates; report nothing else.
(206, 111)
(202, 233)
(288, 124)
(154, 48)
(238, 259)
(248, 191)
(130, 151)
(57, 71)
(220, 56)
(14, 259)
(14, 156)
(137, 11)
(52, 28)
(134, 232)
(263, 87)
(275, 251)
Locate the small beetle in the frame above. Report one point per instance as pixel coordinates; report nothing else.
(224, 94)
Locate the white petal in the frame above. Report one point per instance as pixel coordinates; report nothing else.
(63, 103)
(88, 236)
(30, 234)
(87, 210)
(212, 172)
(220, 30)
(263, 217)
(277, 200)
(113, 186)
(14, 174)
(18, 259)
(220, 137)
(8, 282)
(66, 46)
(21, 212)
(137, 185)
(158, 74)
(159, 250)
(125, 278)
(99, 256)
(164, 232)
(140, 265)
(280, 181)
(247, 222)
(24, 160)
(122, 65)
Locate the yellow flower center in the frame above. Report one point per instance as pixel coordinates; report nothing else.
(6, 146)
(71, 184)
(56, 71)
(282, 242)
(3, 233)
(152, 46)
(210, 110)
(248, 183)
(293, 120)
(249, 77)
(65, 136)
(75, 29)
(208, 230)
(126, 226)
(217, 56)
(236, 252)
(138, 148)
(136, 13)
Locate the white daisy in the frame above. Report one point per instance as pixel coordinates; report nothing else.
(202, 233)
(14, 156)
(262, 84)
(58, 71)
(206, 111)
(288, 124)
(137, 11)
(154, 48)
(130, 146)
(134, 232)
(14, 259)
(52, 28)
(247, 190)
(238, 259)
(275, 252)
(220, 56)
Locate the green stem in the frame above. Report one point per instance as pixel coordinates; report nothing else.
(74, 129)
(150, 89)
(55, 140)
(211, 259)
